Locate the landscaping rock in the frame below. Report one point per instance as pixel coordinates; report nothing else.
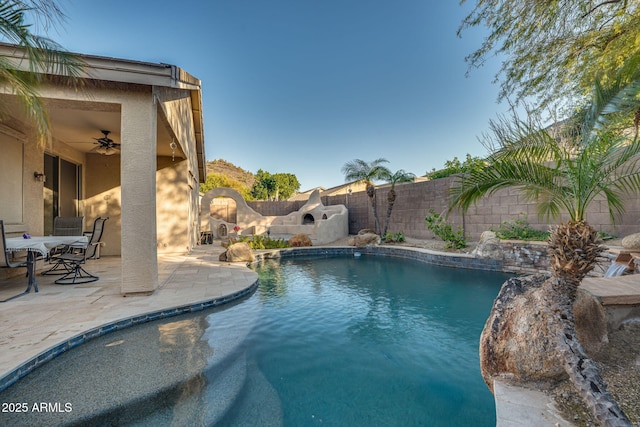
(239, 252)
(367, 239)
(300, 240)
(366, 231)
(489, 246)
(632, 241)
(517, 340)
(590, 323)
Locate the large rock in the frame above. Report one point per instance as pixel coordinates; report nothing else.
(632, 241)
(518, 340)
(590, 323)
(300, 240)
(366, 239)
(366, 231)
(239, 252)
(489, 246)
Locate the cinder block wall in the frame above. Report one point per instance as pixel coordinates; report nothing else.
(414, 200)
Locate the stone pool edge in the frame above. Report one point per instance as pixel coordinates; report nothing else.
(442, 259)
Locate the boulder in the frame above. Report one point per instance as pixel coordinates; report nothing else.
(300, 240)
(489, 246)
(590, 323)
(632, 241)
(366, 239)
(366, 231)
(518, 340)
(239, 252)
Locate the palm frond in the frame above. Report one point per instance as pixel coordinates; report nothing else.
(360, 170)
(40, 55)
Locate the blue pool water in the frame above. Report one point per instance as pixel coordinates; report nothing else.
(373, 341)
(326, 341)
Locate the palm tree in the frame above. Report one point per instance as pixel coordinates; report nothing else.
(359, 170)
(596, 156)
(396, 178)
(43, 55)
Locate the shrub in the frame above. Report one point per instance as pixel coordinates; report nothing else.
(257, 242)
(520, 229)
(439, 226)
(393, 238)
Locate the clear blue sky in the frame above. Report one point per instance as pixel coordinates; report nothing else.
(303, 86)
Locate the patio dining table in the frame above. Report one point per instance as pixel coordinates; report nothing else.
(39, 246)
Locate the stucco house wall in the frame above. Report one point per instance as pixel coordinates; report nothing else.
(148, 191)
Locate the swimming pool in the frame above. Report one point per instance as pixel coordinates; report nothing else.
(331, 341)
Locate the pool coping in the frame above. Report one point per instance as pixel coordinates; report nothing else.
(443, 259)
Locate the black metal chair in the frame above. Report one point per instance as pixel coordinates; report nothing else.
(6, 262)
(63, 226)
(67, 225)
(76, 255)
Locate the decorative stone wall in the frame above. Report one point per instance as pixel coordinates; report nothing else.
(524, 257)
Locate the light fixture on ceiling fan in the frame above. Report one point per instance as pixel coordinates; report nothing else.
(106, 146)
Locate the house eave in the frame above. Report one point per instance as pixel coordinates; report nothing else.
(102, 68)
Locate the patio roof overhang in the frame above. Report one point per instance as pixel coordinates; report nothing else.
(107, 69)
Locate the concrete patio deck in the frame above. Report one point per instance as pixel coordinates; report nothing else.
(37, 322)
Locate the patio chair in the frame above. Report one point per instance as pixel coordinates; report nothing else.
(6, 262)
(63, 226)
(76, 255)
(67, 225)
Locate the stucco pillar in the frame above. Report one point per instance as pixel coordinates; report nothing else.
(138, 180)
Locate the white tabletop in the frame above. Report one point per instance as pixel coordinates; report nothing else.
(42, 244)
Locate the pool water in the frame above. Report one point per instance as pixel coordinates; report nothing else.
(374, 341)
(340, 341)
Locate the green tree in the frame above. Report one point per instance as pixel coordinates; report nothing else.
(395, 178)
(43, 55)
(565, 174)
(368, 172)
(455, 166)
(265, 186)
(218, 180)
(553, 48)
(287, 185)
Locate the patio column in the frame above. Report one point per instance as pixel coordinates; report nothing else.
(138, 180)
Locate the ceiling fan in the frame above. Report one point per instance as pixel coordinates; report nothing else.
(106, 145)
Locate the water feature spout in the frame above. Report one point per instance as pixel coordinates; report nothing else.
(615, 269)
(622, 262)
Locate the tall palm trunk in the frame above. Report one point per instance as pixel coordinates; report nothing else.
(371, 192)
(391, 200)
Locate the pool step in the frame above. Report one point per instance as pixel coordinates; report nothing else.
(258, 403)
(137, 375)
(204, 401)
